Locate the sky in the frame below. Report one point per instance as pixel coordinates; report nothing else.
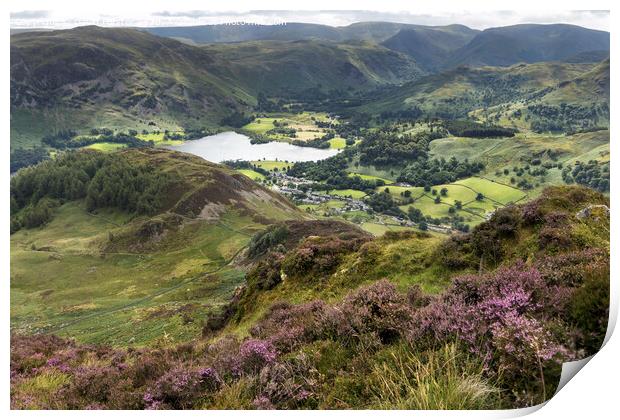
(153, 15)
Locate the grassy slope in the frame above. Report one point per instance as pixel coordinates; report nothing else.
(414, 258)
(465, 89)
(404, 259)
(97, 278)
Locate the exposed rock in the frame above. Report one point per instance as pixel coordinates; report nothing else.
(587, 212)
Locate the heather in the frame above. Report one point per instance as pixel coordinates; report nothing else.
(511, 307)
(505, 330)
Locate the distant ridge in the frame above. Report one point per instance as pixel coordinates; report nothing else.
(528, 43)
(365, 31)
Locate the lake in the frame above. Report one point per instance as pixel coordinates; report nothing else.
(234, 146)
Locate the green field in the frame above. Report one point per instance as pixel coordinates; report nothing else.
(252, 174)
(158, 138)
(260, 125)
(396, 191)
(506, 153)
(495, 195)
(105, 147)
(370, 177)
(379, 229)
(270, 165)
(348, 193)
(337, 143)
(303, 123)
(387, 175)
(500, 193)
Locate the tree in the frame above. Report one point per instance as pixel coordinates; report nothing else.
(444, 191)
(480, 197)
(458, 204)
(415, 215)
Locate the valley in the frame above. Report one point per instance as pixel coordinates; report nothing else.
(372, 216)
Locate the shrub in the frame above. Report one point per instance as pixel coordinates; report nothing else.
(499, 316)
(378, 309)
(318, 256)
(289, 384)
(180, 387)
(254, 354)
(589, 307)
(265, 275)
(263, 241)
(289, 326)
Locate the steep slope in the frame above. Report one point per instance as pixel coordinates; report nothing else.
(588, 57)
(342, 321)
(121, 71)
(293, 66)
(509, 45)
(109, 274)
(591, 86)
(430, 47)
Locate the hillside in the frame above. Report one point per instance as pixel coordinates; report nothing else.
(591, 86)
(456, 92)
(509, 45)
(339, 321)
(116, 275)
(275, 67)
(118, 78)
(404, 216)
(576, 103)
(97, 77)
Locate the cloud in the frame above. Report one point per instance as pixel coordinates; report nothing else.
(30, 14)
(196, 14)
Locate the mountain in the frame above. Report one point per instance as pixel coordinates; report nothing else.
(430, 47)
(528, 43)
(376, 32)
(119, 74)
